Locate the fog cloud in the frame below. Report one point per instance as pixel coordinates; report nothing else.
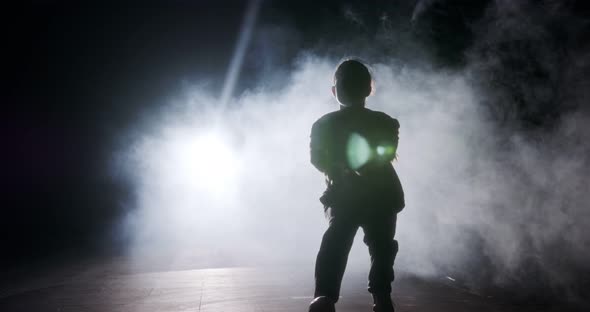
(486, 199)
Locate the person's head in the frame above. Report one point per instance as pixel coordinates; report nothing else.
(352, 83)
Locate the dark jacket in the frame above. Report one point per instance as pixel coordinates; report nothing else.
(354, 147)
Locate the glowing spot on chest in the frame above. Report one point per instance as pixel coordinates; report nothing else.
(358, 151)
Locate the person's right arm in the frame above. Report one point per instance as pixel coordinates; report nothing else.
(394, 137)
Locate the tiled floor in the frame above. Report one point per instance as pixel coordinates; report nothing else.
(113, 287)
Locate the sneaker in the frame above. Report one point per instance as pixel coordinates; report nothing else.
(382, 303)
(322, 304)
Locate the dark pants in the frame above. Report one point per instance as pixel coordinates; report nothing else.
(378, 224)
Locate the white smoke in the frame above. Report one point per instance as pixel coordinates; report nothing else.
(235, 186)
(266, 206)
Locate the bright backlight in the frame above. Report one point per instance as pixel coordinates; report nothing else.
(206, 162)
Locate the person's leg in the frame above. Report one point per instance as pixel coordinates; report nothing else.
(332, 257)
(379, 237)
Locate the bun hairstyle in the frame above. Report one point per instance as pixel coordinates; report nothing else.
(352, 80)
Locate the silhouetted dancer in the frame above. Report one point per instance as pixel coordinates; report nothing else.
(354, 147)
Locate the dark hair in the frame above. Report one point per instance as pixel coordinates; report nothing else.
(353, 78)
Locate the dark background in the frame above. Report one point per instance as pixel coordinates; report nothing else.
(77, 74)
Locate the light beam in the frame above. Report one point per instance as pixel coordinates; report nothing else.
(240, 51)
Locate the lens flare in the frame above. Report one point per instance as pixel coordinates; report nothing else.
(385, 151)
(358, 151)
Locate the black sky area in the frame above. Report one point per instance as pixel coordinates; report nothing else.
(77, 74)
